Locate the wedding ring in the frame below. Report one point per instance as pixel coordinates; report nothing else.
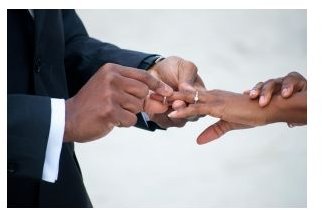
(196, 98)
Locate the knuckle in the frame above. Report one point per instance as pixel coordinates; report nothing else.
(293, 77)
(269, 84)
(145, 76)
(110, 77)
(294, 74)
(116, 80)
(145, 91)
(110, 96)
(130, 121)
(289, 81)
(270, 81)
(258, 85)
(263, 93)
(268, 87)
(141, 91)
(133, 120)
(138, 106)
(107, 111)
(191, 66)
(155, 83)
(109, 67)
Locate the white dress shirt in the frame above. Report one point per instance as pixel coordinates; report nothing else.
(55, 140)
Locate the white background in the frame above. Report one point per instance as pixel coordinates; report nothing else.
(233, 49)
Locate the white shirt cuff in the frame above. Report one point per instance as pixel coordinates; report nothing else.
(55, 140)
(145, 118)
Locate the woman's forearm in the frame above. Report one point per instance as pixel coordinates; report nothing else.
(239, 108)
(291, 110)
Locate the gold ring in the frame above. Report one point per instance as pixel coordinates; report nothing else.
(196, 98)
(164, 100)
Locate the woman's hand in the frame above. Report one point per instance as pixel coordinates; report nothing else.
(228, 106)
(285, 86)
(238, 111)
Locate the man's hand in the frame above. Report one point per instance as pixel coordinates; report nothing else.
(112, 97)
(181, 75)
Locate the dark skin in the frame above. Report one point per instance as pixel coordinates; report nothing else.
(285, 86)
(240, 111)
(112, 97)
(181, 75)
(115, 94)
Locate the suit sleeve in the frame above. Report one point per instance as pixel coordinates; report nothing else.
(28, 129)
(85, 55)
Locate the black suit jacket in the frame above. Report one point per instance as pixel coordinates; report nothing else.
(50, 56)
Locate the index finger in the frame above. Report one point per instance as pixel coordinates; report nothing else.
(188, 96)
(153, 83)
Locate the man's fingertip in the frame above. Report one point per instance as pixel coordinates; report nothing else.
(165, 90)
(172, 114)
(168, 89)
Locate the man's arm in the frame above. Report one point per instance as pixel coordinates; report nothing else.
(85, 55)
(28, 130)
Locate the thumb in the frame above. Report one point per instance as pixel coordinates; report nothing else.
(214, 132)
(217, 130)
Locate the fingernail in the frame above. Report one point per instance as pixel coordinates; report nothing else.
(172, 114)
(284, 91)
(252, 93)
(262, 100)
